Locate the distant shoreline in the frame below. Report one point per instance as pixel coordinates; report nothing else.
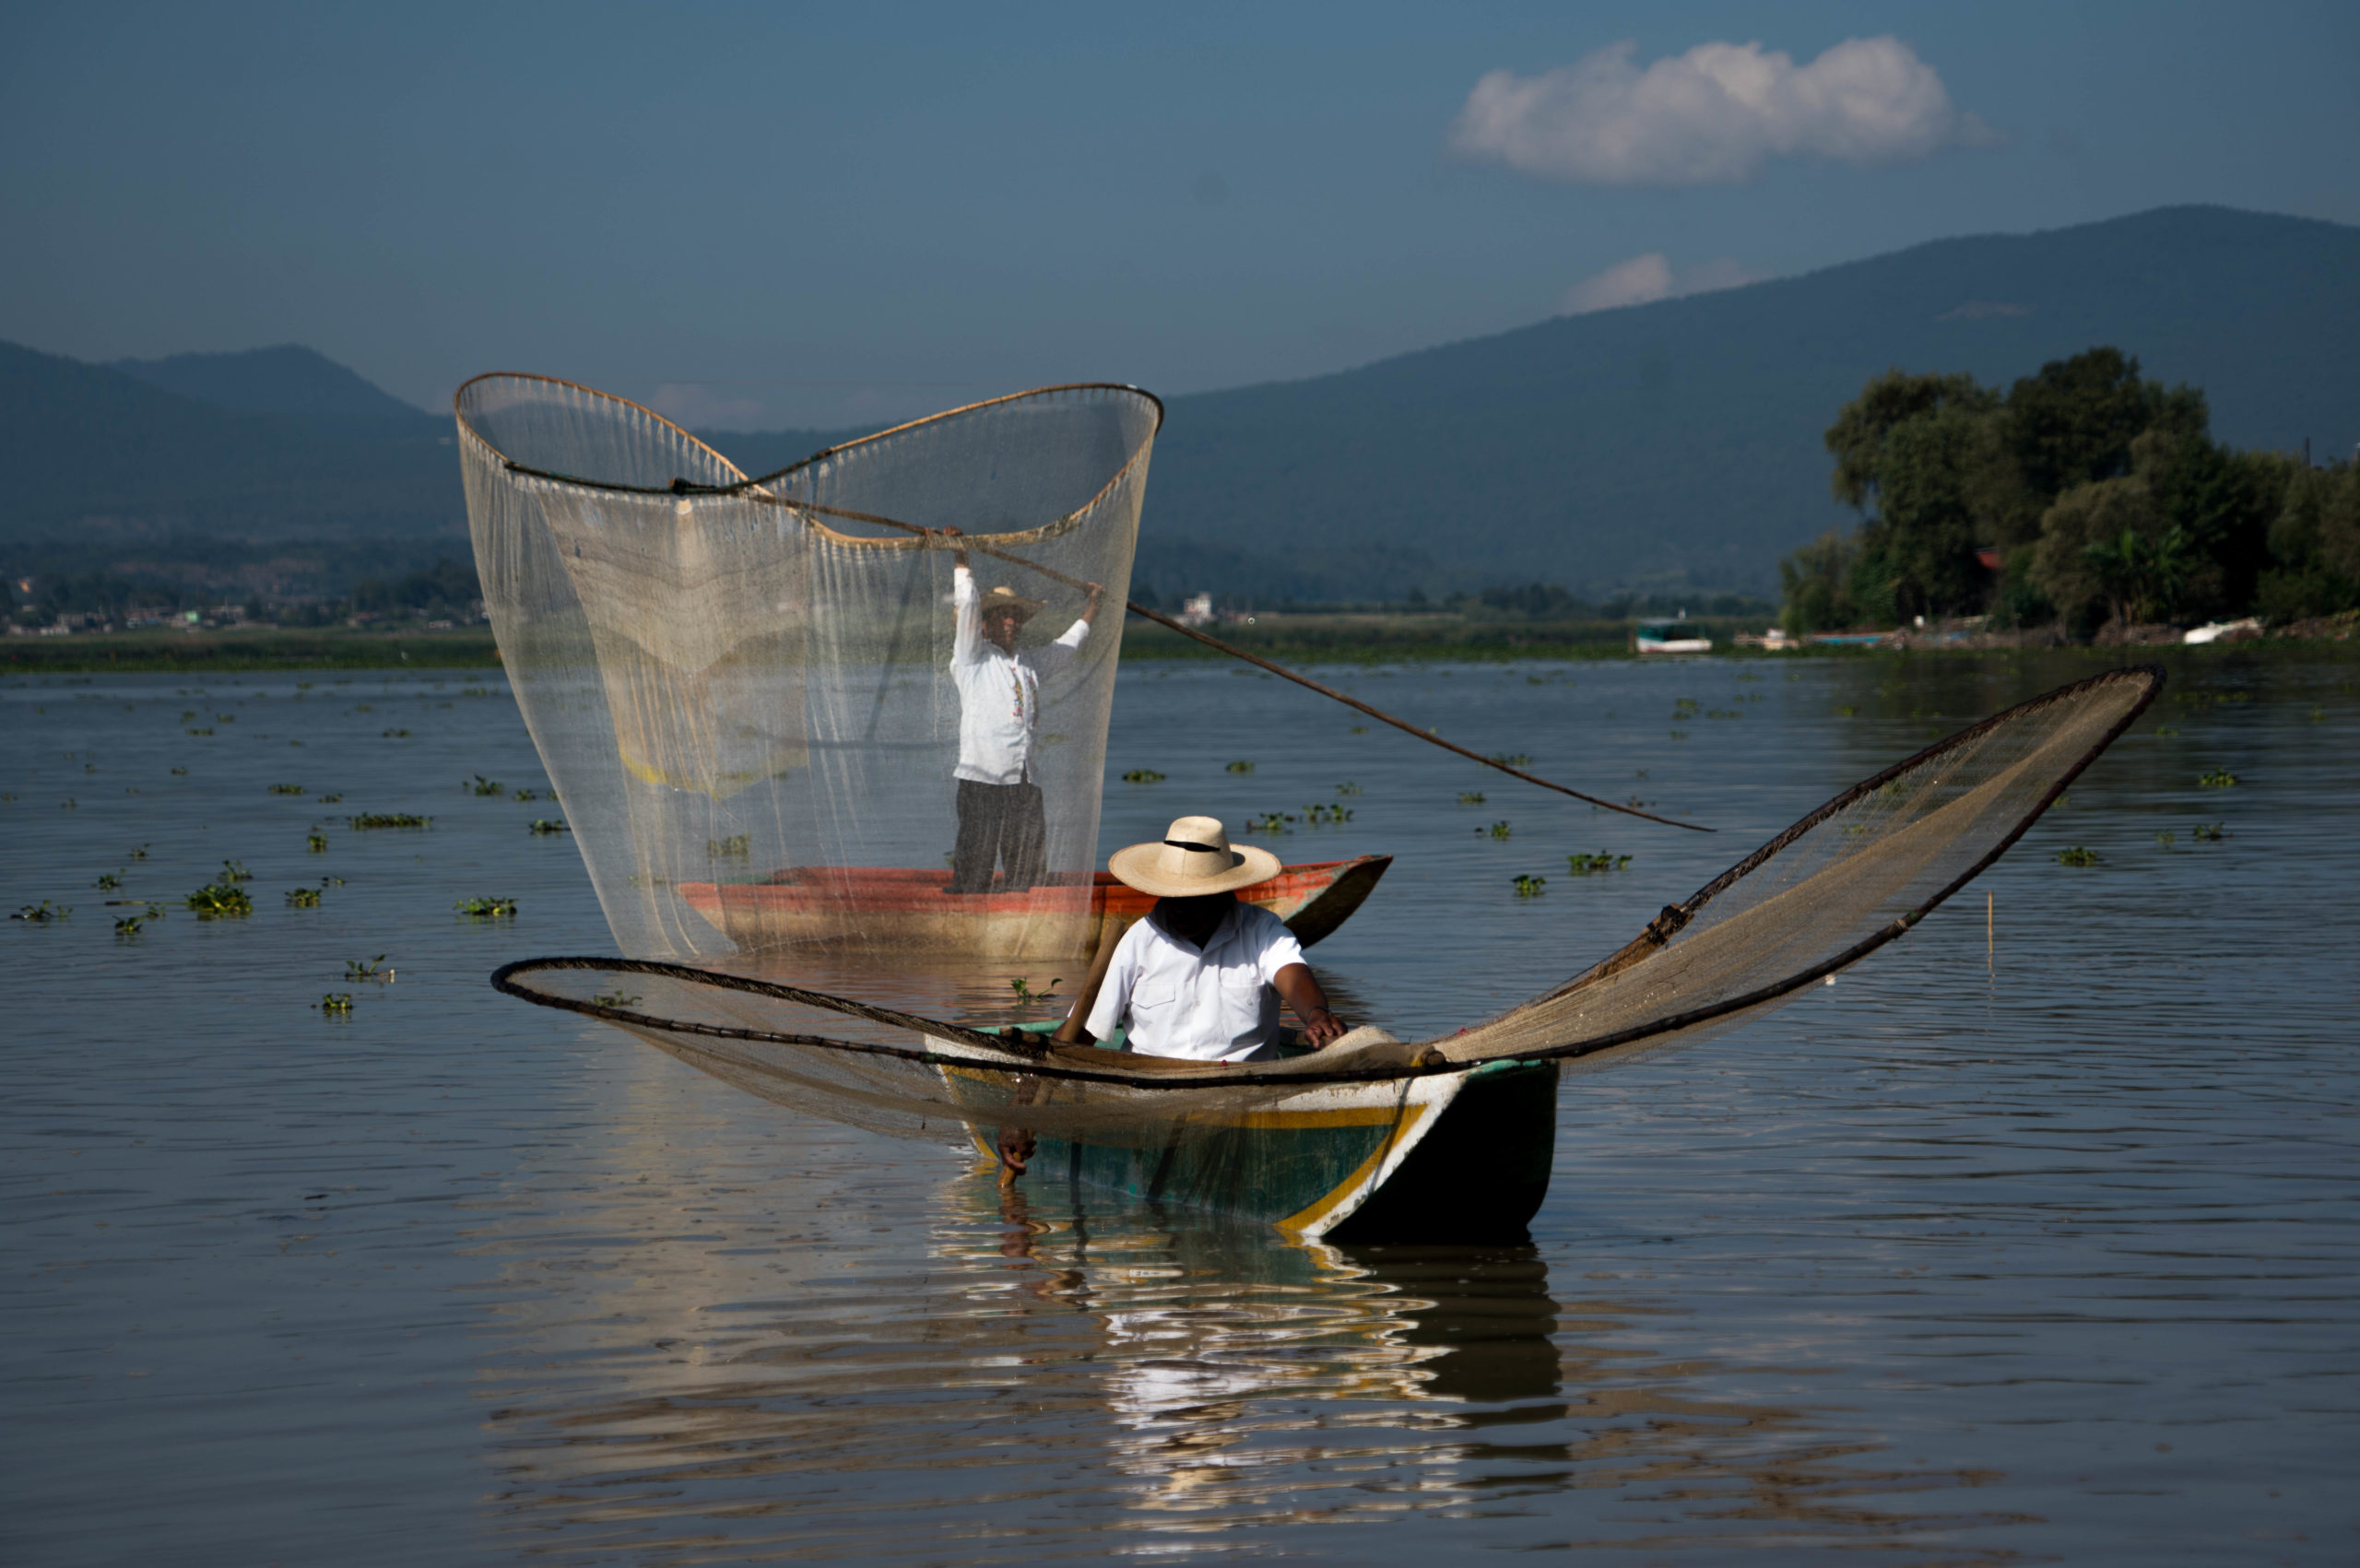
(1287, 639)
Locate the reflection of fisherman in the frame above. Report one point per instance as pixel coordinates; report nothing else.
(1000, 819)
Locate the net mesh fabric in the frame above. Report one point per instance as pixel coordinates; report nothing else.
(742, 691)
(1847, 878)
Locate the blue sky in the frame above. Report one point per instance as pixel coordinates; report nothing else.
(759, 215)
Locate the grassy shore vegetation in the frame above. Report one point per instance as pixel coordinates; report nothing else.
(254, 647)
(2081, 497)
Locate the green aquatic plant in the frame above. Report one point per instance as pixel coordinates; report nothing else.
(1359, 729)
(332, 800)
(235, 871)
(2165, 730)
(528, 794)
(317, 843)
(485, 787)
(130, 925)
(2219, 778)
(42, 914)
(1529, 887)
(303, 898)
(548, 825)
(487, 908)
(1499, 830)
(396, 735)
(2076, 855)
(1026, 995)
(1723, 713)
(357, 970)
(2318, 715)
(1471, 798)
(2165, 840)
(1512, 759)
(736, 846)
(1268, 822)
(1240, 766)
(1348, 789)
(1847, 711)
(367, 821)
(178, 773)
(336, 1003)
(287, 789)
(1142, 775)
(139, 854)
(1591, 864)
(207, 730)
(1326, 815)
(2211, 832)
(220, 900)
(1685, 708)
(108, 880)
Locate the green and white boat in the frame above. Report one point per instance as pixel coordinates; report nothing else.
(1387, 1160)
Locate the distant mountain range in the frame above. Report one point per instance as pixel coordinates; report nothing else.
(1661, 447)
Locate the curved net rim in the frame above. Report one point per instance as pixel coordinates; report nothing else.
(1420, 1059)
(756, 487)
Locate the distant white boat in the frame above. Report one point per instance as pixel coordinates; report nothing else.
(2213, 631)
(1668, 637)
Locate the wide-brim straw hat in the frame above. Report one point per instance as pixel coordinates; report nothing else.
(1193, 859)
(1005, 600)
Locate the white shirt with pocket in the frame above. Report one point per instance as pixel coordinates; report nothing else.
(1219, 1004)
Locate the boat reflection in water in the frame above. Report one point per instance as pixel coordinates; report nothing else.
(724, 1359)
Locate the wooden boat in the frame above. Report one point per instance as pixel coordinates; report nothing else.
(892, 907)
(1456, 1157)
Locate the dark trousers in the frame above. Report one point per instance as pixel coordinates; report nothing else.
(998, 824)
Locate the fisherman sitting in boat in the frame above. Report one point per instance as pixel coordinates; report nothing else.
(1000, 819)
(1202, 975)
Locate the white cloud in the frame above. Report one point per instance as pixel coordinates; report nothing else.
(1643, 280)
(1713, 115)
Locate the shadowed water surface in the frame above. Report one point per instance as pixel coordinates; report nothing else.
(2031, 1246)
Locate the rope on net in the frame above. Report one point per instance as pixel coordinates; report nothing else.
(755, 489)
(1871, 863)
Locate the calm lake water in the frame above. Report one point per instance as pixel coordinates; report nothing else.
(2039, 1252)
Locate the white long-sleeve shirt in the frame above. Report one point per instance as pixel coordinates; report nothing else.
(999, 693)
(1218, 1003)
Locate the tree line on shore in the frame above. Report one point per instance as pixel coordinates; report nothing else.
(2083, 496)
(447, 589)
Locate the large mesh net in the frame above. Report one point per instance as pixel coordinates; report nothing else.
(1850, 877)
(767, 718)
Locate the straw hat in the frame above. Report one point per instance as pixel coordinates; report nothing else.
(1193, 859)
(1005, 600)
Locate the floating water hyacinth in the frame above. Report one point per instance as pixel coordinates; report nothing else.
(1142, 775)
(485, 787)
(358, 970)
(336, 1003)
(108, 880)
(1348, 789)
(1499, 830)
(317, 843)
(369, 821)
(2076, 855)
(1471, 798)
(1591, 864)
(2219, 778)
(1240, 766)
(2212, 833)
(303, 898)
(487, 908)
(1326, 815)
(42, 914)
(545, 825)
(286, 789)
(235, 871)
(1528, 886)
(220, 900)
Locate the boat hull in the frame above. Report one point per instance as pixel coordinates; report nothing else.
(1456, 1157)
(900, 909)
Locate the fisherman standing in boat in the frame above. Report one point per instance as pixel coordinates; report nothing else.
(1000, 819)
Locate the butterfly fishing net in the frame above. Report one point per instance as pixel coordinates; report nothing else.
(770, 711)
(1848, 878)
